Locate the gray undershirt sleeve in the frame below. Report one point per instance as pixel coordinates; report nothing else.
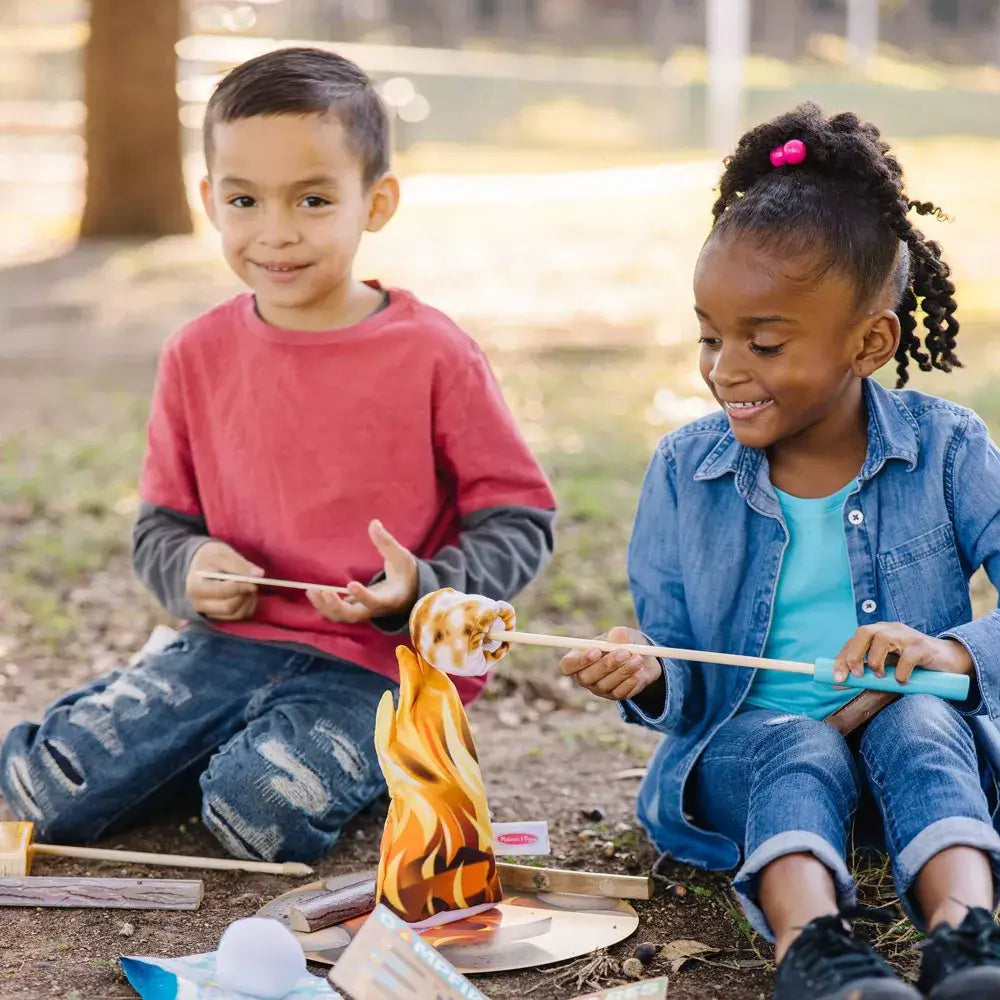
(499, 551)
(163, 544)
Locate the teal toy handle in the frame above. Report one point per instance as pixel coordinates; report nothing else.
(955, 687)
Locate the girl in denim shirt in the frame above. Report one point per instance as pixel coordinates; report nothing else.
(817, 512)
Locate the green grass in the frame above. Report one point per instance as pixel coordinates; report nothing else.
(67, 499)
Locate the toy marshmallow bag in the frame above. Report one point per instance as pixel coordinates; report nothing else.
(436, 862)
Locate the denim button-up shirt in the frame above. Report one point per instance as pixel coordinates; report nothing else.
(706, 553)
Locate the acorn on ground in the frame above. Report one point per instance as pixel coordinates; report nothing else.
(646, 952)
(632, 968)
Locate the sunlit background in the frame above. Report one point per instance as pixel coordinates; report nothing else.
(558, 159)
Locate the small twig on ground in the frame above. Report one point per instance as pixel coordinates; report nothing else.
(591, 973)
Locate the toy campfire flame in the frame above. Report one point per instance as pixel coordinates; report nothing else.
(436, 860)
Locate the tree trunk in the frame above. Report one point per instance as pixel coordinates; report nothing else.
(135, 185)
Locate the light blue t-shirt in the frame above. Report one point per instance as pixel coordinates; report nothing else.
(814, 612)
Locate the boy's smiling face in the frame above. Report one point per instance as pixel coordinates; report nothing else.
(781, 351)
(288, 196)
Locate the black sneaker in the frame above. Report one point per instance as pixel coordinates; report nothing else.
(964, 961)
(826, 962)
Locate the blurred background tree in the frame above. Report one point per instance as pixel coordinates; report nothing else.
(135, 184)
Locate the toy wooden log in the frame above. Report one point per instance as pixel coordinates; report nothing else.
(335, 906)
(103, 893)
(525, 878)
(357, 898)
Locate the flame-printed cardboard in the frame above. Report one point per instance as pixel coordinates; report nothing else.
(436, 861)
(387, 960)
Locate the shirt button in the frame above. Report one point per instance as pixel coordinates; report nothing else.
(855, 517)
(869, 607)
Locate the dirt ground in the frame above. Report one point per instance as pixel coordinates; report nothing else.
(567, 771)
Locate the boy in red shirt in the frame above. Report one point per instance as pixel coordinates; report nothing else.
(317, 428)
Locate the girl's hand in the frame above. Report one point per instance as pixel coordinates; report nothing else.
(617, 676)
(913, 648)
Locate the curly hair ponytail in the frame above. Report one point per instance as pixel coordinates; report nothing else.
(848, 197)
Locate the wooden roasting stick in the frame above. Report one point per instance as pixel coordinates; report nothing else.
(558, 641)
(667, 652)
(357, 898)
(921, 681)
(264, 581)
(102, 893)
(172, 860)
(17, 852)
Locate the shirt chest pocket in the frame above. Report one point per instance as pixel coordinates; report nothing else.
(923, 579)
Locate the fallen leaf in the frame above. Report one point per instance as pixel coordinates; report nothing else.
(679, 952)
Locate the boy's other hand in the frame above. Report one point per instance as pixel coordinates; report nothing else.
(913, 648)
(223, 600)
(617, 676)
(391, 596)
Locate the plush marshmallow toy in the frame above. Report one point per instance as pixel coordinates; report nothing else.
(258, 957)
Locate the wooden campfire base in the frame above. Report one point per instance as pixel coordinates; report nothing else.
(526, 930)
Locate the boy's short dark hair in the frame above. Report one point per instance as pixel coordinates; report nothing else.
(306, 81)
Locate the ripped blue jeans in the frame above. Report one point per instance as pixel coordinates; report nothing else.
(281, 743)
(778, 784)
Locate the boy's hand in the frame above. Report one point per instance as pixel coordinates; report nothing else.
(617, 676)
(393, 595)
(913, 648)
(223, 600)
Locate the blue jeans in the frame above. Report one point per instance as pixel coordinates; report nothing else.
(784, 784)
(280, 742)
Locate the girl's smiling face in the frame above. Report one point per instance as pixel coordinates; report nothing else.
(783, 350)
